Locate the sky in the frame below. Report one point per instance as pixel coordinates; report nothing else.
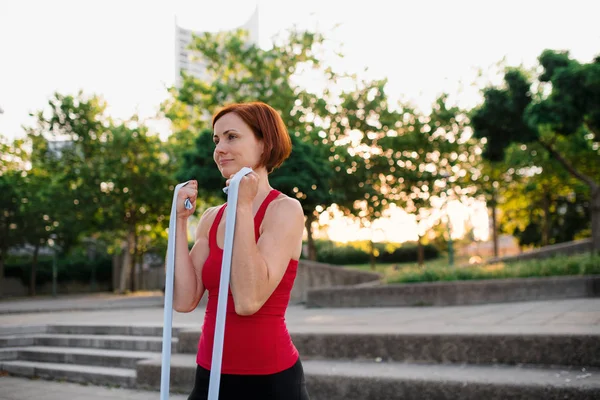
(124, 49)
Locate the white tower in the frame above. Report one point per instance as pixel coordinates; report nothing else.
(184, 58)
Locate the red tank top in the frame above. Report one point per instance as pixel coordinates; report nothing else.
(258, 344)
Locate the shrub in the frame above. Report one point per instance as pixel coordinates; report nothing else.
(583, 264)
(69, 269)
(358, 252)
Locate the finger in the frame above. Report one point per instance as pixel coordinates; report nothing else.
(251, 178)
(187, 192)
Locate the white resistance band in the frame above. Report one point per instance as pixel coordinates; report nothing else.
(217, 356)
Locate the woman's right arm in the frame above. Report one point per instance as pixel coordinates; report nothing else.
(187, 286)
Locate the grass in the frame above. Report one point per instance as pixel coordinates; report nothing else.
(439, 270)
(391, 270)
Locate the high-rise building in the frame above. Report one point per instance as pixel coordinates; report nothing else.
(184, 58)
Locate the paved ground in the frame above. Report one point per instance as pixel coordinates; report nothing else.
(20, 389)
(561, 316)
(97, 301)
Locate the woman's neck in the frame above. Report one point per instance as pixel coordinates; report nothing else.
(264, 188)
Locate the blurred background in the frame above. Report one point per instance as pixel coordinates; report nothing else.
(432, 140)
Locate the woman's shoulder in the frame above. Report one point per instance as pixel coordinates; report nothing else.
(206, 220)
(284, 207)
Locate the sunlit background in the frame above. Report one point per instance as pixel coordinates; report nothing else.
(125, 51)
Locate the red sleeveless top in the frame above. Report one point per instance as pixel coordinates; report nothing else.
(257, 344)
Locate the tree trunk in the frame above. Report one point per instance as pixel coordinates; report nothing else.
(372, 255)
(2, 255)
(546, 220)
(594, 190)
(33, 269)
(494, 206)
(312, 250)
(132, 279)
(126, 264)
(495, 230)
(596, 220)
(420, 252)
(141, 282)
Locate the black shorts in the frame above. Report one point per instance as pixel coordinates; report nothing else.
(285, 385)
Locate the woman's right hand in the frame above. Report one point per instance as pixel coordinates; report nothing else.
(189, 191)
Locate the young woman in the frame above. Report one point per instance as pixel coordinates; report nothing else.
(259, 359)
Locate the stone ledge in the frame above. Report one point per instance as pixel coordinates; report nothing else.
(342, 380)
(457, 292)
(538, 349)
(568, 248)
(313, 275)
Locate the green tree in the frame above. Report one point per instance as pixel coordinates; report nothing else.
(498, 122)
(10, 215)
(41, 212)
(562, 117)
(238, 72)
(430, 158)
(12, 179)
(95, 178)
(136, 174)
(538, 192)
(66, 150)
(58, 198)
(362, 118)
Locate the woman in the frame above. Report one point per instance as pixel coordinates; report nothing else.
(259, 359)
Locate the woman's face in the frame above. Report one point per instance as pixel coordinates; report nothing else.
(236, 146)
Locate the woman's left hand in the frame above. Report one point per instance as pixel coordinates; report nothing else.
(248, 188)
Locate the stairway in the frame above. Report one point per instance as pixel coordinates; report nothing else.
(100, 355)
(361, 366)
(352, 366)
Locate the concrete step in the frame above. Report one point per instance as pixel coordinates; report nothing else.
(17, 340)
(140, 330)
(562, 349)
(81, 356)
(353, 380)
(120, 342)
(88, 374)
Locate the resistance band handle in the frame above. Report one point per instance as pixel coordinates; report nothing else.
(217, 354)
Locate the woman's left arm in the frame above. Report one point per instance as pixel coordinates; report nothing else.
(257, 268)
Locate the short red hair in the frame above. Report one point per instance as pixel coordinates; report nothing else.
(267, 125)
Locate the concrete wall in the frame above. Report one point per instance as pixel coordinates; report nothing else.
(568, 248)
(508, 245)
(310, 275)
(313, 275)
(457, 293)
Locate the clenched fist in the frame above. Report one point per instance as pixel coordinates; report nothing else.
(189, 191)
(248, 188)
